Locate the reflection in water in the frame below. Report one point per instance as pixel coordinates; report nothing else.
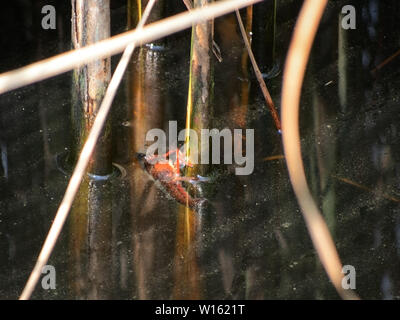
(100, 240)
(78, 235)
(146, 101)
(187, 284)
(127, 239)
(90, 234)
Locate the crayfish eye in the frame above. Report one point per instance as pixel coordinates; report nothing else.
(140, 156)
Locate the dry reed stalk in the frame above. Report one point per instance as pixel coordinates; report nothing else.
(73, 59)
(83, 161)
(260, 79)
(296, 61)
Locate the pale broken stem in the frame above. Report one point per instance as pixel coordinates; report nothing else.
(82, 164)
(73, 59)
(299, 51)
(257, 71)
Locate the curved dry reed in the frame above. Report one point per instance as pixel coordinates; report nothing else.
(299, 51)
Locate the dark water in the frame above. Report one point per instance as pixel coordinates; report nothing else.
(125, 239)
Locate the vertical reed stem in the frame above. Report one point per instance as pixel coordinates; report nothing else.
(200, 95)
(90, 24)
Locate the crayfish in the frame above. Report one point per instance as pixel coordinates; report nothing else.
(168, 173)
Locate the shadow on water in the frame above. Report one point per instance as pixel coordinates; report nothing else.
(126, 238)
